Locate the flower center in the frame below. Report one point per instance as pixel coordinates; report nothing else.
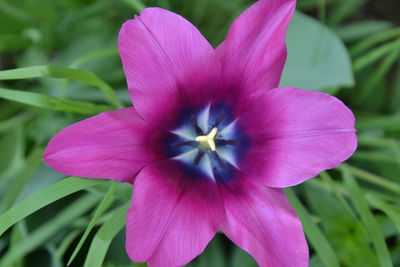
(207, 141)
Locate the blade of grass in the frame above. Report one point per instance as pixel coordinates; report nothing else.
(386, 208)
(367, 43)
(374, 55)
(367, 218)
(40, 235)
(137, 5)
(333, 187)
(65, 243)
(43, 198)
(314, 234)
(377, 141)
(18, 183)
(12, 144)
(105, 203)
(49, 102)
(374, 179)
(58, 72)
(104, 236)
(363, 29)
(378, 75)
(344, 9)
(388, 122)
(375, 156)
(16, 120)
(95, 55)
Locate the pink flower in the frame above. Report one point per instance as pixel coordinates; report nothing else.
(209, 143)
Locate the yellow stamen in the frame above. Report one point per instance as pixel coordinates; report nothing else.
(208, 139)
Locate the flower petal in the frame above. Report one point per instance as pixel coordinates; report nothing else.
(261, 221)
(172, 217)
(112, 145)
(167, 63)
(295, 135)
(254, 52)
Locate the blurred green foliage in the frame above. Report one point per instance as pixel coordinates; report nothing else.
(59, 64)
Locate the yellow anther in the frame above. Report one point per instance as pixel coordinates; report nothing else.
(208, 139)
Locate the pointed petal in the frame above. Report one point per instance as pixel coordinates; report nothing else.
(168, 64)
(254, 51)
(261, 221)
(295, 135)
(172, 217)
(112, 145)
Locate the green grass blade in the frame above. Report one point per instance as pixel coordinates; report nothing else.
(378, 75)
(369, 42)
(65, 243)
(343, 10)
(386, 208)
(18, 183)
(58, 72)
(95, 55)
(104, 236)
(49, 102)
(367, 218)
(374, 55)
(43, 198)
(314, 234)
(105, 203)
(6, 125)
(388, 122)
(137, 5)
(40, 235)
(374, 179)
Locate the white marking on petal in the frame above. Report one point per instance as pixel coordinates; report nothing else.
(187, 157)
(228, 131)
(203, 118)
(186, 132)
(206, 167)
(228, 155)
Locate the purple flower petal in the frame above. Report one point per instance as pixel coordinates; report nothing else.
(261, 221)
(254, 51)
(172, 217)
(296, 134)
(168, 64)
(111, 145)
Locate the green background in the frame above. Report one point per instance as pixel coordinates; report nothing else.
(59, 64)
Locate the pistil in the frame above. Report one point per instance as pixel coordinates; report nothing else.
(208, 140)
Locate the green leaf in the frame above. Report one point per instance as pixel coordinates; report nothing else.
(43, 198)
(49, 102)
(315, 236)
(105, 235)
(105, 203)
(40, 235)
(367, 218)
(317, 58)
(58, 72)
